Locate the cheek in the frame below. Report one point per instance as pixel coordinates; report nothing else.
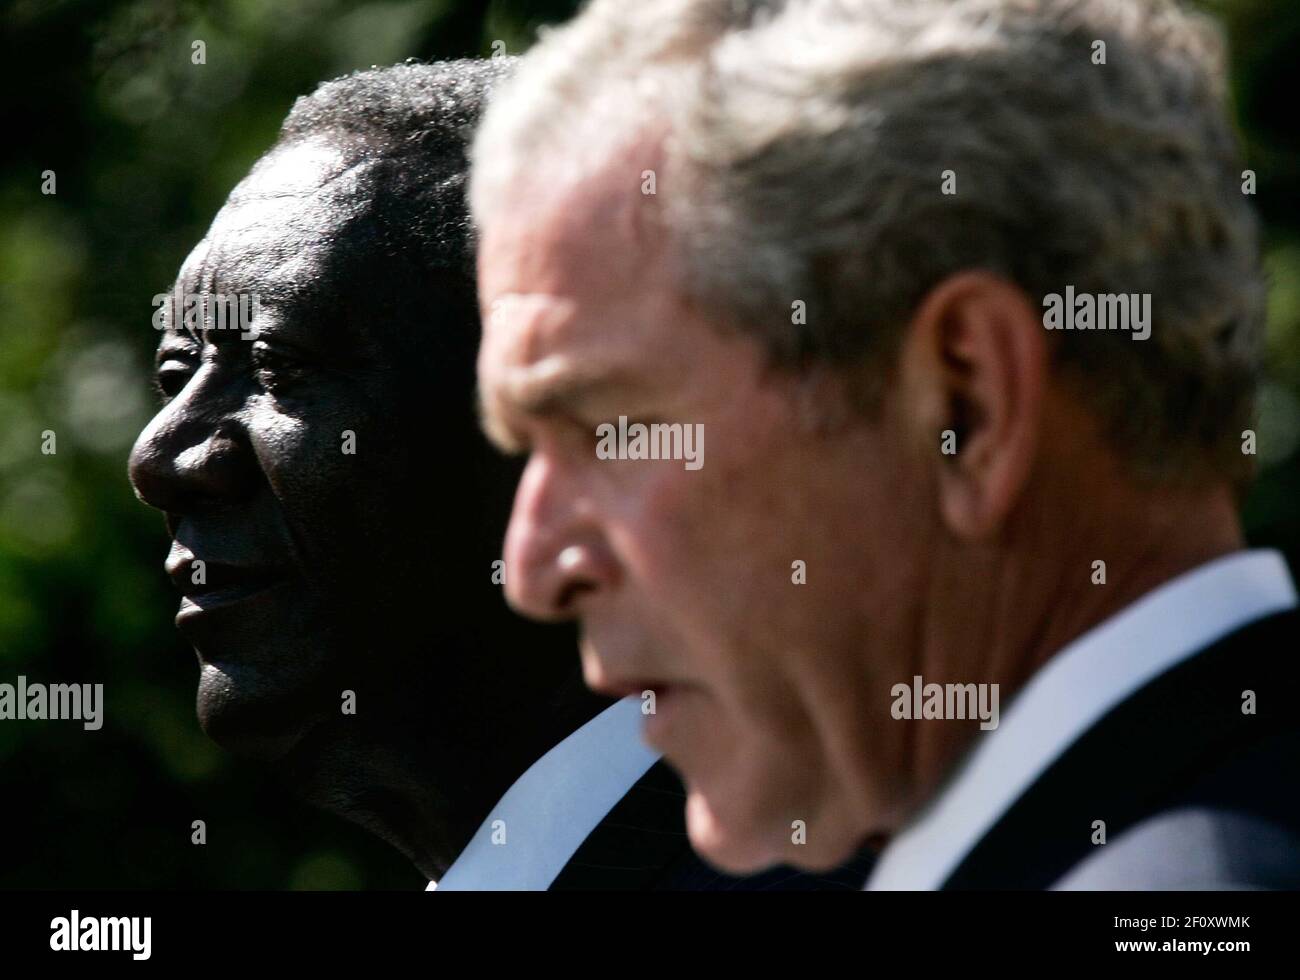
(325, 471)
(708, 580)
(292, 454)
(671, 538)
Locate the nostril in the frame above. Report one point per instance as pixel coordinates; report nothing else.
(178, 467)
(570, 594)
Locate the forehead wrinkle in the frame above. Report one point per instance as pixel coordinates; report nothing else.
(592, 333)
(296, 205)
(297, 169)
(287, 266)
(547, 355)
(276, 232)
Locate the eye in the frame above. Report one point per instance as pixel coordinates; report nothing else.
(575, 434)
(172, 376)
(274, 367)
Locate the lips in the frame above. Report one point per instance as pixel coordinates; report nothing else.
(614, 687)
(663, 728)
(666, 697)
(221, 584)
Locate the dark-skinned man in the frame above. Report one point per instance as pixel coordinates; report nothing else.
(323, 462)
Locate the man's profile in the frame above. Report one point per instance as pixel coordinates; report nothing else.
(336, 516)
(923, 473)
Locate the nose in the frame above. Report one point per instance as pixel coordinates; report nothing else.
(557, 555)
(194, 452)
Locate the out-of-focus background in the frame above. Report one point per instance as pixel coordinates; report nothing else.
(145, 145)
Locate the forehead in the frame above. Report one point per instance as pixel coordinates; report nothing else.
(278, 227)
(583, 275)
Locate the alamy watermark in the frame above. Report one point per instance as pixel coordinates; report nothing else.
(90, 933)
(1098, 311)
(207, 311)
(658, 440)
(55, 702)
(948, 701)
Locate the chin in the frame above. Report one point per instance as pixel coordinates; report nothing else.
(741, 839)
(246, 716)
(736, 847)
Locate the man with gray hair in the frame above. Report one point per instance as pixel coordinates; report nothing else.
(966, 295)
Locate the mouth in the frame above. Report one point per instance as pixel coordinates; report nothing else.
(220, 585)
(613, 687)
(661, 704)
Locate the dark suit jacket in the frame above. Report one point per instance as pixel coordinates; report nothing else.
(642, 845)
(1194, 792)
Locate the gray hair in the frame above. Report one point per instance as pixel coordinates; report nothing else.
(805, 145)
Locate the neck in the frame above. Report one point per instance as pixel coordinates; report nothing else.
(1145, 541)
(1018, 601)
(426, 788)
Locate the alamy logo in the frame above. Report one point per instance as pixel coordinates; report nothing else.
(133, 933)
(1098, 311)
(658, 440)
(56, 702)
(207, 311)
(948, 701)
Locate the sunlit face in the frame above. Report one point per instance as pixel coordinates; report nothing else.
(296, 464)
(770, 696)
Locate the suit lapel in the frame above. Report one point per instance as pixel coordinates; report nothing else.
(1143, 756)
(639, 840)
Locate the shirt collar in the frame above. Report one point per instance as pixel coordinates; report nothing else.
(539, 824)
(1070, 694)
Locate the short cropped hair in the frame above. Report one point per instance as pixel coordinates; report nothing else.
(412, 123)
(808, 141)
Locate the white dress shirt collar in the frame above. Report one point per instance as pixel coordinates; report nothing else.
(553, 807)
(1069, 694)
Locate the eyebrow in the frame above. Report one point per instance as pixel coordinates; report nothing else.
(294, 303)
(558, 395)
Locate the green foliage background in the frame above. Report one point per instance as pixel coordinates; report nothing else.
(145, 147)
